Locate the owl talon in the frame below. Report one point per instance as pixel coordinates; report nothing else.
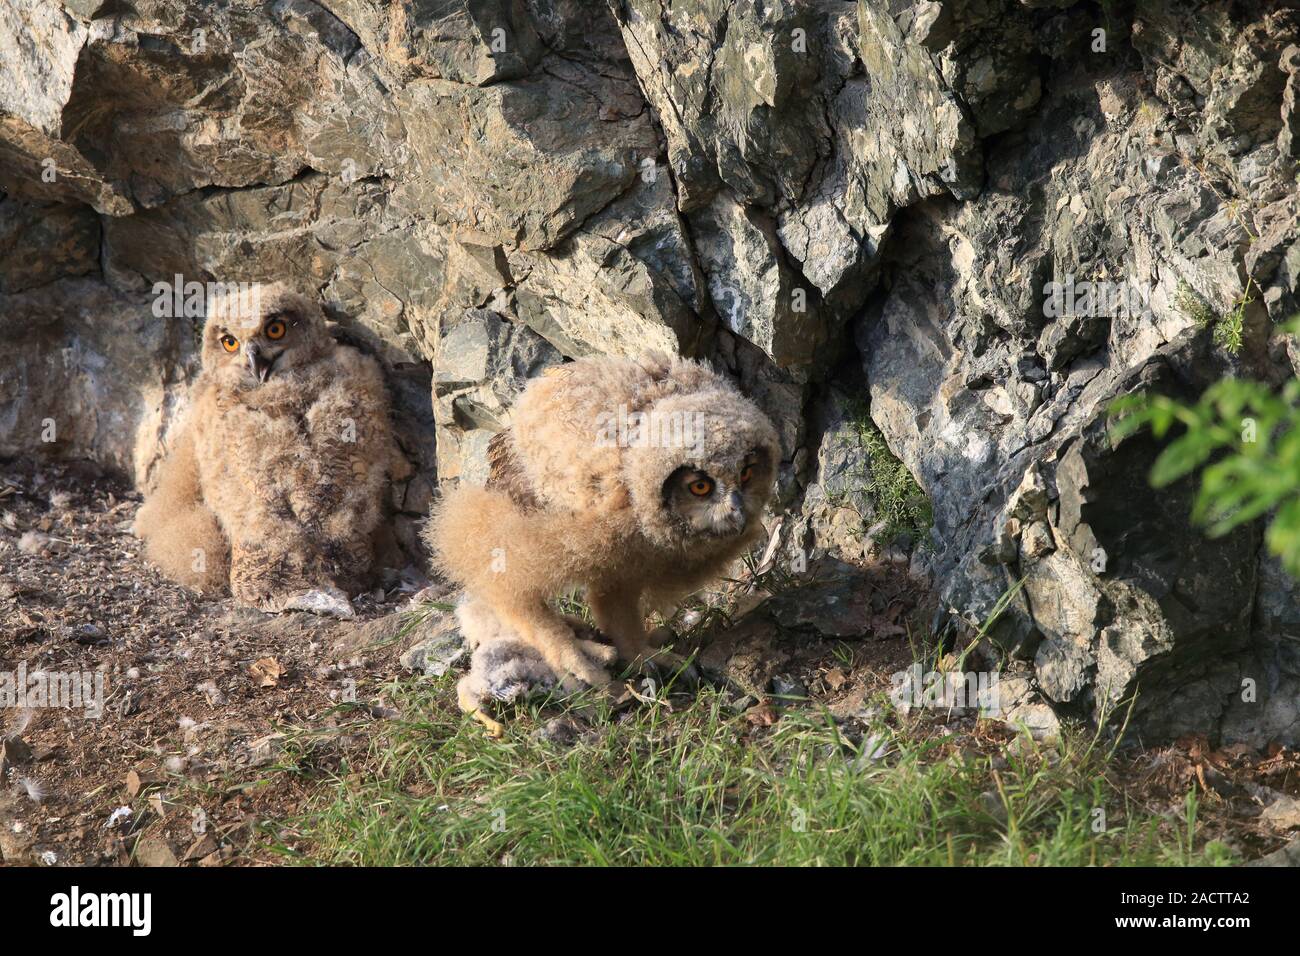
(599, 654)
(591, 675)
(495, 729)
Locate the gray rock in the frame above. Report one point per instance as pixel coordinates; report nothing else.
(546, 152)
(758, 296)
(837, 203)
(483, 364)
(784, 685)
(14, 753)
(437, 649)
(625, 283)
(1022, 709)
(326, 601)
(476, 43)
(835, 602)
(1288, 855)
(975, 379)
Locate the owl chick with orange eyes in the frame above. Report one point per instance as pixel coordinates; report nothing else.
(637, 481)
(274, 486)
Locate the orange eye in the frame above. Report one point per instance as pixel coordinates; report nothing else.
(746, 473)
(701, 487)
(229, 343)
(275, 329)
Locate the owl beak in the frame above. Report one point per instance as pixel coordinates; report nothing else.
(258, 363)
(737, 510)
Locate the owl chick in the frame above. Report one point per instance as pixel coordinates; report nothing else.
(637, 481)
(276, 481)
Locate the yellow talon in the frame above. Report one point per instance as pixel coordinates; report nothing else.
(495, 728)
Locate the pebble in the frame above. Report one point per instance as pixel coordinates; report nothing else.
(88, 634)
(783, 685)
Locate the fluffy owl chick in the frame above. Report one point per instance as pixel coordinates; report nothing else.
(637, 481)
(276, 482)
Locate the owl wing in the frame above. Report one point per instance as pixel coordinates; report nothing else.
(506, 472)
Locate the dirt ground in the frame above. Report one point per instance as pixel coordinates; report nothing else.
(196, 692)
(199, 694)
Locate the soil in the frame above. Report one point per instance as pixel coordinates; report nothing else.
(197, 692)
(200, 696)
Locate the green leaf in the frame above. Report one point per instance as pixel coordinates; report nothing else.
(1283, 536)
(1181, 458)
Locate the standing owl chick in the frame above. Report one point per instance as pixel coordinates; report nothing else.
(636, 480)
(276, 481)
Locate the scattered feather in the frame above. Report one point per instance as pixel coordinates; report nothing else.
(32, 788)
(20, 721)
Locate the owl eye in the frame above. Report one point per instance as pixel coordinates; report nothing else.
(275, 329)
(701, 487)
(229, 343)
(746, 473)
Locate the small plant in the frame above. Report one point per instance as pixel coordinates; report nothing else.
(1246, 439)
(1229, 328)
(1228, 334)
(900, 504)
(1193, 306)
(573, 605)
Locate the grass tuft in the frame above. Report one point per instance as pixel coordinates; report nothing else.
(701, 786)
(1229, 328)
(901, 505)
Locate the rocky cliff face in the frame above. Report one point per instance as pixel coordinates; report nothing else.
(974, 221)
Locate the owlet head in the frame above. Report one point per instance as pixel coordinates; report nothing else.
(257, 333)
(706, 469)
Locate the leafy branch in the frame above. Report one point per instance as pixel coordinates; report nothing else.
(1244, 437)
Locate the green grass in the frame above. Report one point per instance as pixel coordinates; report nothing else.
(900, 504)
(1229, 328)
(702, 786)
